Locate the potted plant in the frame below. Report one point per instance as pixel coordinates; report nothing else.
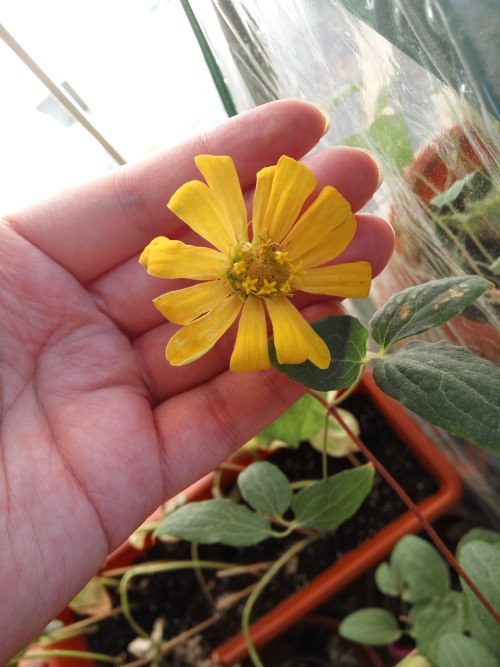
(430, 370)
(445, 623)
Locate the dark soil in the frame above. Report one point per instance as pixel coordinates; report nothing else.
(176, 596)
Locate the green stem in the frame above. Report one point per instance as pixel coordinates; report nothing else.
(249, 604)
(62, 653)
(195, 556)
(212, 65)
(156, 568)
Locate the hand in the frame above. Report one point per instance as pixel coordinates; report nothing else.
(96, 428)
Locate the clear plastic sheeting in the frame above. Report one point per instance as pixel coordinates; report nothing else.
(418, 83)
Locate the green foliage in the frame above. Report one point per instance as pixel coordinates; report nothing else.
(420, 569)
(418, 309)
(219, 520)
(449, 627)
(481, 561)
(448, 386)
(338, 441)
(461, 651)
(371, 626)
(300, 422)
(265, 488)
(449, 195)
(326, 504)
(346, 339)
(388, 135)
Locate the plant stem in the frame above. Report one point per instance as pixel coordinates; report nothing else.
(62, 653)
(383, 472)
(156, 568)
(249, 604)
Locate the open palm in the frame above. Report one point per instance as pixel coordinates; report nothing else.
(96, 429)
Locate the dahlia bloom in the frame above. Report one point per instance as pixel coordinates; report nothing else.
(257, 267)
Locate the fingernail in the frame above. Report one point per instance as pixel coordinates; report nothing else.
(325, 115)
(377, 161)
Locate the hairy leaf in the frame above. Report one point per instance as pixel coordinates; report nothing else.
(448, 386)
(461, 651)
(423, 307)
(326, 504)
(219, 520)
(265, 488)
(346, 340)
(420, 568)
(481, 561)
(370, 626)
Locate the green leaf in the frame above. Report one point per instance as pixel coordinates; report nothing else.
(479, 535)
(391, 137)
(417, 309)
(450, 194)
(387, 580)
(338, 442)
(420, 568)
(220, 520)
(430, 620)
(370, 626)
(265, 488)
(346, 339)
(326, 504)
(415, 661)
(461, 651)
(481, 561)
(300, 422)
(448, 386)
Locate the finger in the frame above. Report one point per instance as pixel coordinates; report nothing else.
(125, 294)
(100, 224)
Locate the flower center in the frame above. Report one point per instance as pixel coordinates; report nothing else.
(261, 268)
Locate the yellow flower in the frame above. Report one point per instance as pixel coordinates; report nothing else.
(246, 276)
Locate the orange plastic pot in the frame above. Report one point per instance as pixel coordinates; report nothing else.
(348, 567)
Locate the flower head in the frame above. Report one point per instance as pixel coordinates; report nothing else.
(245, 276)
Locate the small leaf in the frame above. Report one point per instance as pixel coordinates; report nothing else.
(326, 504)
(461, 651)
(346, 338)
(481, 561)
(415, 661)
(387, 580)
(449, 195)
(220, 520)
(420, 568)
(338, 442)
(448, 386)
(434, 618)
(376, 627)
(479, 535)
(93, 599)
(300, 422)
(495, 267)
(265, 488)
(417, 309)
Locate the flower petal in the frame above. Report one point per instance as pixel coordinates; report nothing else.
(292, 184)
(344, 280)
(294, 338)
(195, 339)
(329, 218)
(251, 347)
(261, 198)
(221, 176)
(195, 204)
(185, 305)
(166, 258)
